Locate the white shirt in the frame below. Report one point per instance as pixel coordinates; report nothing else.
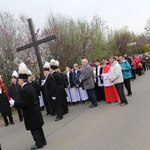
(98, 73)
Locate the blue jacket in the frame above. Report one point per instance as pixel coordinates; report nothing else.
(127, 72)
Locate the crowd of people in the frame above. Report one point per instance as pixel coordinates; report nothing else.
(101, 80)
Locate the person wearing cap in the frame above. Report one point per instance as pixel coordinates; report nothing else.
(5, 108)
(54, 64)
(14, 92)
(29, 105)
(52, 92)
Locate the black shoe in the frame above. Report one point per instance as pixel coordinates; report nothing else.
(12, 123)
(36, 147)
(91, 106)
(44, 143)
(21, 120)
(57, 119)
(129, 94)
(6, 125)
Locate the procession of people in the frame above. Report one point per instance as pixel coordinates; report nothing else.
(95, 82)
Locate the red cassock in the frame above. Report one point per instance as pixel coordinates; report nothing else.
(4, 89)
(110, 90)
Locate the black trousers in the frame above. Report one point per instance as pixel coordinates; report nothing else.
(58, 111)
(20, 115)
(6, 119)
(120, 89)
(38, 136)
(128, 85)
(133, 73)
(139, 71)
(92, 96)
(99, 91)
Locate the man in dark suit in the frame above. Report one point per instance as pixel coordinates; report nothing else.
(87, 78)
(29, 105)
(14, 92)
(52, 92)
(60, 84)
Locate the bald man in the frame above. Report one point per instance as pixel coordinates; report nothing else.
(87, 79)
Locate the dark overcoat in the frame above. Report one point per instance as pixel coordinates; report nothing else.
(60, 83)
(29, 105)
(5, 108)
(51, 90)
(36, 84)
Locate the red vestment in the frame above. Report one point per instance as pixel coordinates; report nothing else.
(110, 90)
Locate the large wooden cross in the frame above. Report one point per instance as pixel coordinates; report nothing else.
(35, 44)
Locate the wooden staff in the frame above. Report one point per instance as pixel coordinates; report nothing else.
(2, 86)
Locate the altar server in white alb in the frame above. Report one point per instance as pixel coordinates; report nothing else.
(78, 86)
(73, 95)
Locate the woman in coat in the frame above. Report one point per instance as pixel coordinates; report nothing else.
(126, 71)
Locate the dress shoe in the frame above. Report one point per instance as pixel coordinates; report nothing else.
(57, 119)
(6, 125)
(36, 147)
(92, 106)
(129, 95)
(12, 123)
(47, 114)
(44, 143)
(118, 103)
(123, 104)
(21, 120)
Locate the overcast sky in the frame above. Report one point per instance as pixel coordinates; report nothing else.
(116, 13)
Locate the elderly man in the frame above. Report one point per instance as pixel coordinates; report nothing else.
(116, 77)
(87, 78)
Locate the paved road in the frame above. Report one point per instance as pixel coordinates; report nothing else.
(106, 127)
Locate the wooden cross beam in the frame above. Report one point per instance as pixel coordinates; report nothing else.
(35, 44)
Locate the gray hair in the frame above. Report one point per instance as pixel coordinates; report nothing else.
(85, 60)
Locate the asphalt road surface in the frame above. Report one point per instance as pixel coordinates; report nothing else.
(106, 127)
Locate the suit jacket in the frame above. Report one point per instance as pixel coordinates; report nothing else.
(36, 84)
(14, 91)
(87, 77)
(76, 76)
(60, 84)
(29, 105)
(70, 80)
(51, 90)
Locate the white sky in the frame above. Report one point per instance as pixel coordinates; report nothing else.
(116, 13)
